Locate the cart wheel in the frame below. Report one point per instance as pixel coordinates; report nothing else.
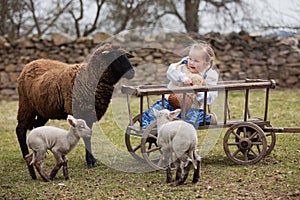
(133, 139)
(271, 140)
(151, 153)
(245, 143)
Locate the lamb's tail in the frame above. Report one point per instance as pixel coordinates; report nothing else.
(192, 155)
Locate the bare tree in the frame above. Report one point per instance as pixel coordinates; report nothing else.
(12, 18)
(82, 18)
(192, 12)
(47, 20)
(89, 27)
(130, 14)
(278, 20)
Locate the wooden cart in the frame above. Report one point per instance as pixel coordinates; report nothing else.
(246, 141)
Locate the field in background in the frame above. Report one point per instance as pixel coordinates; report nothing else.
(275, 177)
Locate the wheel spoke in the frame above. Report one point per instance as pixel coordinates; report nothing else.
(153, 149)
(253, 152)
(245, 131)
(258, 148)
(254, 134)
(236, 152)
(136, 148)
(237, 135)
(246, 155)
(152, 136)
(257, 143)
(233, 143)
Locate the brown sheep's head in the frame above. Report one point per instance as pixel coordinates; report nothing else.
(115, 60)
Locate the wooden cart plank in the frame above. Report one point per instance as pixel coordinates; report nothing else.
(221, 86)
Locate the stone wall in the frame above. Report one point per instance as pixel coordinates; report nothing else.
(239, 56)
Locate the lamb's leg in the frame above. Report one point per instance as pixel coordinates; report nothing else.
(38, 163)
(28, 158)
(185, 168)
(65, 167)
(178, 169)
(196, 175)
(25, 119)
(90, 159)
(169, 174)
(165, 160)
(59, 163)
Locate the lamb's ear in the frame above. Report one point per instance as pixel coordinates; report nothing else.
(72, 121)
(174, 114)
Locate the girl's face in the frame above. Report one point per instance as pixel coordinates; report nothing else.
(196, 62)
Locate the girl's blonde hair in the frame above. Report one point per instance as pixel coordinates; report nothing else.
(208, 52)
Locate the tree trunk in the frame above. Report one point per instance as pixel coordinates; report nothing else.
(191, 15)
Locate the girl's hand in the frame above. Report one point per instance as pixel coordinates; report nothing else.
(188, 82)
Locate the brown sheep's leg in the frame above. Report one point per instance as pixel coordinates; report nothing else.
(59, 163)
(25, 120)
(38, 163)
(65, 168)
(90, 159)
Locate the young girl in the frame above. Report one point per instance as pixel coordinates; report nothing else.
(195, 69)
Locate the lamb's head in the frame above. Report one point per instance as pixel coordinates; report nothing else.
(115, 60)
(164, 116)
(79, 125)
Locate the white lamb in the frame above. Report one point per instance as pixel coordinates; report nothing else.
(59, 141)
(179, 138)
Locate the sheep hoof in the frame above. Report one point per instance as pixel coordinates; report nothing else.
(195, 181)
(47, 179)
(91, 161)
(178, 182)
(32, 172)
(93, 164)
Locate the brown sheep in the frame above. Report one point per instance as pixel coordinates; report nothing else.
(50, 89)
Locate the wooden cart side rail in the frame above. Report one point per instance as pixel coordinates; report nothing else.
(137, 130)
(244, 85)
(221, 86)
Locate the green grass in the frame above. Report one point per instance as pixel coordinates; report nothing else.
(275, 177)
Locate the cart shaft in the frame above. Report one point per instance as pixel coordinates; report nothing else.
(283, 129)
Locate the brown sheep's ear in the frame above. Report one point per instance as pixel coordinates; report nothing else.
(129, 55)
